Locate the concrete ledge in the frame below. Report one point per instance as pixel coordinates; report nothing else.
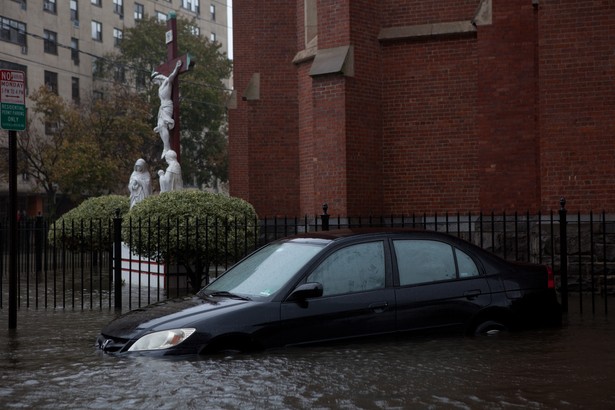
(309, 53)
(427, 30)
(483, 15)
(305, 55)
(334, 60)
(253, 90)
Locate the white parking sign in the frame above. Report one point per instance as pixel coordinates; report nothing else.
(12, 100)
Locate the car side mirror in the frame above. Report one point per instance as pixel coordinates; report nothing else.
(306, 291)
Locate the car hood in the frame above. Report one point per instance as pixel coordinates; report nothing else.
(159, 316)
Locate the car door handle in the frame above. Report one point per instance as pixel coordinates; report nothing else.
(472, 294)
(379, 307)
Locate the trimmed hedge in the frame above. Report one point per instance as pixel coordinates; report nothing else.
(191, 228)
(89, 226)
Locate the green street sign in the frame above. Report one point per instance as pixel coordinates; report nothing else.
(12, 100)
(12, 117)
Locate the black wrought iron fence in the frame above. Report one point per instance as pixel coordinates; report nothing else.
(174, 257)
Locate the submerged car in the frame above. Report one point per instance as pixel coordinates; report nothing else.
(344, 284)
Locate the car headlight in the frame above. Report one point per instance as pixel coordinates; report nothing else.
(161, 340)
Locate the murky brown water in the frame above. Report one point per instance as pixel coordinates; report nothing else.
(50, 362)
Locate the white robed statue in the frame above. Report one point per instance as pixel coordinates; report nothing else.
(171, 180)
(139, 184)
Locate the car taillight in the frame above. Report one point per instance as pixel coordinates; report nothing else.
(550, 278)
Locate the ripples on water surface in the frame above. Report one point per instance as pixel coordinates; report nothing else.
(50, 362)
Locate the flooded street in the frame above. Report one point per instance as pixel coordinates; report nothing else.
(50, 362)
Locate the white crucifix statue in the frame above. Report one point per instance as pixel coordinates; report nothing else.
(166, 76)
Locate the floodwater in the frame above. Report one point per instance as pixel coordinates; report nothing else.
(50, 362)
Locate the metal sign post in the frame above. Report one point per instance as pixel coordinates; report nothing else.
(13, 119)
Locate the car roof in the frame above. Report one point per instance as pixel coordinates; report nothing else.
(339, 235)
(336, 234)
(489, 259)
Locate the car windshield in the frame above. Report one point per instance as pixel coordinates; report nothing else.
(264, 272)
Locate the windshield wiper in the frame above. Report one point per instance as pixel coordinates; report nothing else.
(224, 293)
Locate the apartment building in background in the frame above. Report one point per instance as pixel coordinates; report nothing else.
(56, 43)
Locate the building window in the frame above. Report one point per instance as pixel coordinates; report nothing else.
(119, 74)
(117, 36)
(96, 68)
(310, 21)
(12, 31)
(74, 50)
(50, 44)
(97, 95)
(96, 30)
(118, 7)
(51, 127)
(139, 11)
(97, 2)
(212, 11)
(161, 17)
(51, 81)
(50, 6)
(195, 31)
(74, 10)
(191, 5)
(75, 89)
(23, 4)
(140, 80)
(212, 37)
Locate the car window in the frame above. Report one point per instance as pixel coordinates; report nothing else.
(355, 268)
(264, 272)
(421, 261)
(466, 265)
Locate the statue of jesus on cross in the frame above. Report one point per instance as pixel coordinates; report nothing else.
(166, 76)
(165, 112)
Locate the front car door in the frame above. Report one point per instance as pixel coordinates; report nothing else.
(357, 297)
(440, 286)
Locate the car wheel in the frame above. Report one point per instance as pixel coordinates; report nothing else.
(490, 328)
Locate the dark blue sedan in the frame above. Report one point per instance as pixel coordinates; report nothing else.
(342, 285)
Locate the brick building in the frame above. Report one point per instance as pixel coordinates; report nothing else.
(390, 107)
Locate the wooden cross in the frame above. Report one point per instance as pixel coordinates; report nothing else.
(167, 68)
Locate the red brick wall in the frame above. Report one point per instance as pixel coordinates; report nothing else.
(364, 112)
(506, 108)
(333, 23)
(411, 12)
(510, 118)
(264, 147)
(577, 103)
(307, 146)
(329, 136)
(429, 133)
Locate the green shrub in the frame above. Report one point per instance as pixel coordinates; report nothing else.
(90, 225)
(191, 228)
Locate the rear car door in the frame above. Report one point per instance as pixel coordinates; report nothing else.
(357, 297)
(439, 285)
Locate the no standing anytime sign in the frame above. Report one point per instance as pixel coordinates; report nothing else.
(12, 100)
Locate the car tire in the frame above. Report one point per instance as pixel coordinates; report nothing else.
(490, 328)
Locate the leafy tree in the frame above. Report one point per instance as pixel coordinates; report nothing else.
(191, 228)
(84, 150)
(99, 159)
(42, 153)
(203, 95)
